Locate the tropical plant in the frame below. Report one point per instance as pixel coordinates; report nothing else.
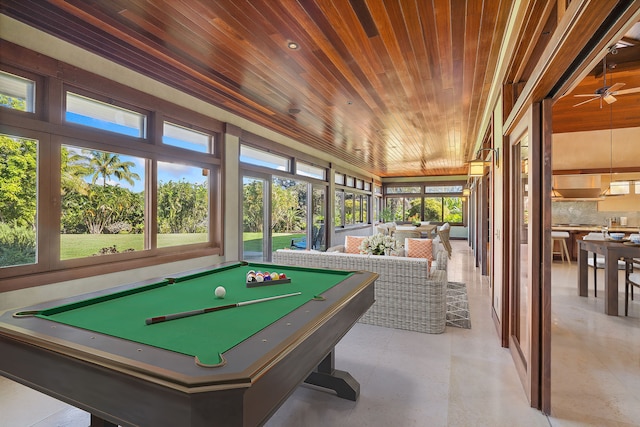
(18, 174)
(182, 207)
(252, 206)
(17, 245)
(103, 165)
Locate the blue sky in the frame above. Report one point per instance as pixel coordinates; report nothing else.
(166, 171)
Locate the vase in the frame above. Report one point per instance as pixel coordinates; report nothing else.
(387, 251)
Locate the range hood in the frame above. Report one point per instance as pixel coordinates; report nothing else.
(577, 187)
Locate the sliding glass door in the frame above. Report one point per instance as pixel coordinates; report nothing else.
(281, 213)
(255, 198)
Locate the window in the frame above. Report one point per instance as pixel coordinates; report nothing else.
(338, 211)
(401, 190)
(443, 189)
(350, 181)
(18, 200)
(437, 202)
(17, 93)
(404, 208)
(183, 205)
(99, 115)
(365, 209)
(443, 209)
(305, 169)
(81, 197)
(265, 159)
(349, 209)
(339, 179)
(102, 203)
(179, 136)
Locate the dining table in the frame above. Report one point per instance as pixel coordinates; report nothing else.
(612, 251)
(427, 230)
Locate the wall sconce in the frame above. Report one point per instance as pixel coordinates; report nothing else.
(466, 192)
(476, 166)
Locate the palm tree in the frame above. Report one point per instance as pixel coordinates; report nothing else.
(104, 165)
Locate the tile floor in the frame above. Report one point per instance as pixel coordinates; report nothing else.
(459, 378)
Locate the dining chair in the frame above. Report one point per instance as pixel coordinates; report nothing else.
(631, 280)
(443, 233)
(597, 262)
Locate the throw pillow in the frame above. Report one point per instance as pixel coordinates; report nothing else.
(419, 248)
(352, 244)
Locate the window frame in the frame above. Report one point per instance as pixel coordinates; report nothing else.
(48, 126)
(424, 194)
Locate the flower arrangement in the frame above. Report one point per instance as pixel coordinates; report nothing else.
(378, 244)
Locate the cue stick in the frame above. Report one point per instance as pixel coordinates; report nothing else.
(166, 317)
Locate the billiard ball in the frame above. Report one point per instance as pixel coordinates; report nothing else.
(282, 276)
(220, 292)
(267, 276)
(259, 277)
(275, 276)
(251, 276)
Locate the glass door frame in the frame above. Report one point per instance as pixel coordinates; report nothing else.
(267, 236)
(527, 356)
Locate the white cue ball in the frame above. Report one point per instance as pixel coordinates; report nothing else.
(220, 292)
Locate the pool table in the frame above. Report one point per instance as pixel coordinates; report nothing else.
(228, 367)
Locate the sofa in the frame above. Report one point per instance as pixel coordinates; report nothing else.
(409, 294)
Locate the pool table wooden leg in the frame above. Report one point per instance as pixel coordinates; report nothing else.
(341, 382)
(99, 422)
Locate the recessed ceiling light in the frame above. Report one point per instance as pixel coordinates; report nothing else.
(294, 110)
(293, 45)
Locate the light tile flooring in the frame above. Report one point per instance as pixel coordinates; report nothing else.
(459, 378)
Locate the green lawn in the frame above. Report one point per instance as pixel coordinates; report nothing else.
(253, 241)
(84, 245)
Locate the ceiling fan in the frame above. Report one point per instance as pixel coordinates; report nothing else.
(606, 92)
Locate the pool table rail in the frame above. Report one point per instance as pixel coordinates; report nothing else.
(133, 384)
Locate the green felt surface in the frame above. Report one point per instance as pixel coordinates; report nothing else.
(206, 335)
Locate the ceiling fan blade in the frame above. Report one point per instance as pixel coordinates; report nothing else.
(588, 100)
(627, 91)
(609, 99)
(586, 94)
(614, 88)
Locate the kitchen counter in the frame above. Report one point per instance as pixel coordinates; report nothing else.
(593, 227)
(578, 231)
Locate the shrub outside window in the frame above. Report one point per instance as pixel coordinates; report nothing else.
(18, 200)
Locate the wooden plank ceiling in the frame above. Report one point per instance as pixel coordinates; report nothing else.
(622, 66)
(396, 88)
